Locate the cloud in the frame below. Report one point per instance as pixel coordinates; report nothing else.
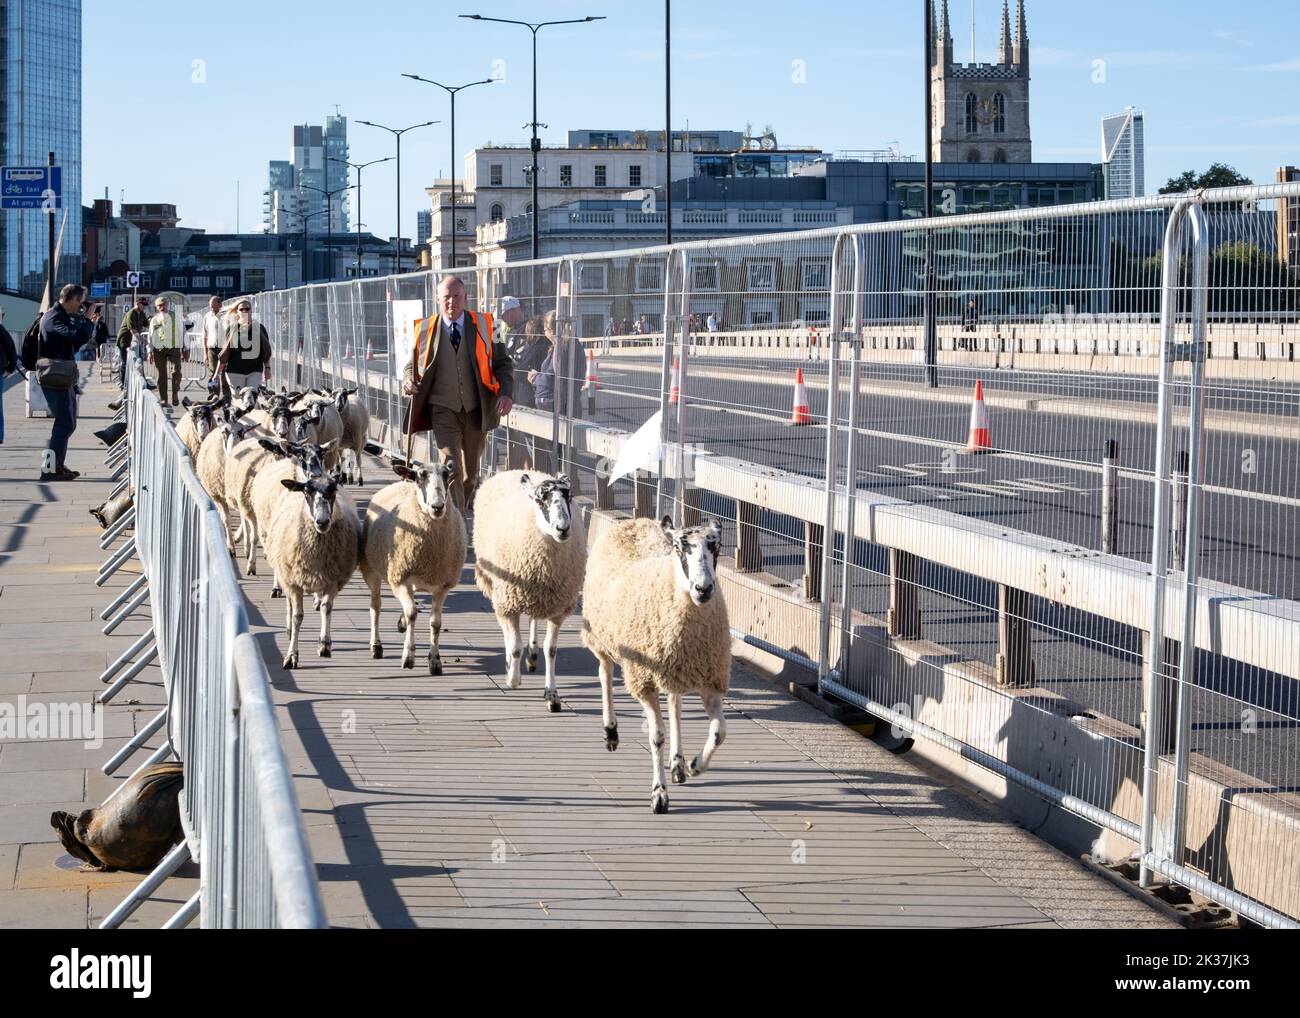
(1237, 38)
(1285, 65)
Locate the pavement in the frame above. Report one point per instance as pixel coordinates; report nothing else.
(452, 801)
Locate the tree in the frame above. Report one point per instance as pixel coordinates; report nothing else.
(1218, 175)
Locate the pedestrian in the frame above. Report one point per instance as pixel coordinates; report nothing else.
(135, 323)
(64, 330)
(527, 365)
(8, 364)
(512, 321)
(970, 317)
(550, 381)
(245, 355)
(712, 324)
(460, 383)
(167, 350)
(100, 336)
(214, 338)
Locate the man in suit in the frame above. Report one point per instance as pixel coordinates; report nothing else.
(460, 383)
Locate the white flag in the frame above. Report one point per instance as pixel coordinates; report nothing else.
(640, 451)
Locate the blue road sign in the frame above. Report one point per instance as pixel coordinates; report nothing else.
(31, 187)
(99, 290)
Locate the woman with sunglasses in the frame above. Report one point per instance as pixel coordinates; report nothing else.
(245, 358)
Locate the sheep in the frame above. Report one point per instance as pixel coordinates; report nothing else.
(414, 540)
(356, 431)
(324, 426)
(243, 460)
(195, 423)
(653, 606)
(302, 461)
(312, 542)
(210, 466)
(530, 551)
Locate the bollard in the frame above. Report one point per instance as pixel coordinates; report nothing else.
(904, 619)
(1110, 498)
(1015, 661)
(749, 553)
(812, 556)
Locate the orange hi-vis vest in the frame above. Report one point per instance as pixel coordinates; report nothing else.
(424, 333)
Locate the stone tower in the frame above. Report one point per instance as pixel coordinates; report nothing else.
(981, 111)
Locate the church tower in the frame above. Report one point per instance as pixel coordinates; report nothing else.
(981, 111)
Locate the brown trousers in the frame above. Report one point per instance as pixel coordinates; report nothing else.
(161, 359)
(458, 438)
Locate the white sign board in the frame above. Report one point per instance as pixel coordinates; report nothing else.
(405, 313)
(132, 280)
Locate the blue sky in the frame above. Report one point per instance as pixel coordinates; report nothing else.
(180, 101)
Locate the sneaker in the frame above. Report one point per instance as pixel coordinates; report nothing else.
(66, 474)
(47, 478)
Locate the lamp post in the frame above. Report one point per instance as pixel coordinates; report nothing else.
(329, 221)
(397, 133)
(451, 91)
(304, 218)
(536, 144)
(931, 353)
(359, 167)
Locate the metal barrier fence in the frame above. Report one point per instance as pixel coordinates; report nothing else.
(994, 593)
(239, 810)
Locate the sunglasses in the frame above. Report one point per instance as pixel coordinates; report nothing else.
(246, 309)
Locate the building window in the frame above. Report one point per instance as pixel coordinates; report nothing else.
(462, 224)
(566, 175)
(973, 156)
(201, 281)
(816, 275)
(600, 175)
(176, 282)
(1000, 155)
(592, 278)
(495, 175)
(761, 275)
(999, 116)
(705, 276)
(650, 276)
(497, 213)
(528, 209)
(226, 282)
(972, 107)
(634, 176)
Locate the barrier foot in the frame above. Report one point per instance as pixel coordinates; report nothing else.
(116, 529)
(119, 488)
(132, 651)
(130, 591)
(114, 562)
(138, 740)
(128, 675)
(174, 860)
(135, 603)
(120, 471)
(184, 914)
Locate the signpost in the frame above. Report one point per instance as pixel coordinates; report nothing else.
(31, 187)
(98, 290)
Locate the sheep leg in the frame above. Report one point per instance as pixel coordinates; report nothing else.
(552, 648)
(356, 455)
(530, 660)
(326, 613)
(717, 731)
(250, 543)
(376, 647)
(222, 511)
(276, 589)
(655, 724)
(406, 598)
(294, 605)
(675, 738)
(610, 720)
(435, 630)
(510, 630)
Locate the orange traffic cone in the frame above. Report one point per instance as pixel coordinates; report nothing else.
(370, 349)
(979, 439)
(800, 413)
(591, 382)
(675, 393)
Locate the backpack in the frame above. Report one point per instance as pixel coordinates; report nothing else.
(32, 345)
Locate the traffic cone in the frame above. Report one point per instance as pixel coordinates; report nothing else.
(675, 393)
(800, 413)
(370, 349)
(979, 439)
(592, 382)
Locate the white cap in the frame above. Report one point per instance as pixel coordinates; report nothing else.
(509, 304)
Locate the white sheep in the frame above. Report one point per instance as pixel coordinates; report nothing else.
(652, 605)
(356, 432)
(300, 461)
(530, 552)
(243, 460)
(414, 540)
(311, 540)
(195, 423)
(210, 467)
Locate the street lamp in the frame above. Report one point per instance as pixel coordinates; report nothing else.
(397, 133)
(536, 144)
(329, 221)
(359, 167)
(450, 90)
(304, 218)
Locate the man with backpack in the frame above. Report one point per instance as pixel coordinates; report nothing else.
(134, 323)
(61, 332)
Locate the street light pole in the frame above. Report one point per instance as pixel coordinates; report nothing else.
(451, 90)
(329, 222)
(397, 132)
(359, 167)
(536, 144)
(668, 123)
(931, 370)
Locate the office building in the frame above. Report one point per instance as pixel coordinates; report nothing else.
(1122, 157)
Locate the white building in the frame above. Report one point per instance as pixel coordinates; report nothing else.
(1122, 154)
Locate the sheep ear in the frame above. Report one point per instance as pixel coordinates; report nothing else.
(523, 479)
(293, 484)
(715, 528)
(270, 445)
(404, 472)
(186, 402)
(666, 522)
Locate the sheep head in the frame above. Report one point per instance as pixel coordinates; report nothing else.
(554, 515)
(200, 416)
(696, 552)
(432, 487)
(319, 494)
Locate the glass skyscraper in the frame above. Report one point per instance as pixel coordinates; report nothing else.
(40, 112)
(1122, 154)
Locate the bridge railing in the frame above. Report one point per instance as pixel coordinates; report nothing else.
(239, 810)
(1022, 608)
